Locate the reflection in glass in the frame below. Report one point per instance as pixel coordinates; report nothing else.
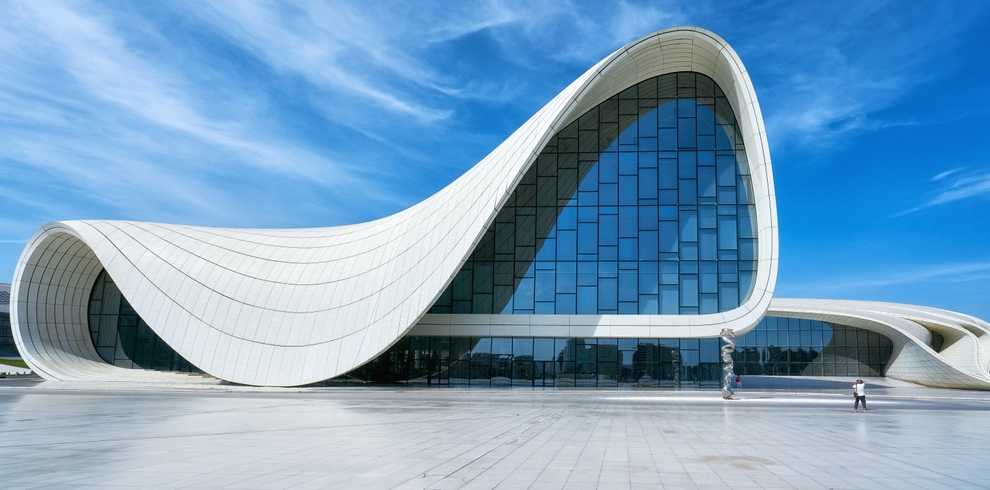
(121, 337)
(643, 205)
(776, 347)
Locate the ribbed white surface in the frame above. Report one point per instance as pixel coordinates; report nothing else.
(957, 365)
(290, 307)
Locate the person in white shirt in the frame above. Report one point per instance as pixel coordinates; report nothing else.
(859, 391)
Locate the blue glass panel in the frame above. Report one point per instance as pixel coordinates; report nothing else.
(648, 184)
(628, 286)
(686, 133)
(628, 190)
(587, 300)
(648, 125)
(687, 165)
(689, 226)
(647, 156)
(727, 238)
(587, 273)
(608, 229)
(706, 181)
(667, 115)
(608, 195)
(686, 108)
(587, 238)
(628, 222)
(649, 278)
(523, 297)
(608, 269)
(628, 163)
(709, 277)
(689, 290)
(566, 245)
(707, 245)
(668, 173)
(669, 272)
(648, 245)
(630, 136)
(651, 195)
(608, 168)
(728, 271)
(669, 300)
(706, 121)
(648, 219)
(687, 192)
(668, 236)
(566, 277)
(628, 249)
(689, 251)
(545, 285)
(667, 139)
(649, 304)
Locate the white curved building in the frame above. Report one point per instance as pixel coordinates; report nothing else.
(633, 212)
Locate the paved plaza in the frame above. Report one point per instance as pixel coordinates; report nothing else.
(57, 435)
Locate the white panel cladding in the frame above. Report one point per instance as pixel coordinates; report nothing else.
(290, 307)
(909, 328)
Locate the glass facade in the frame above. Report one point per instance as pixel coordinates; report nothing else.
(643, 205)
(122, 338)
(776, 347)
(937, 341)
(6, 335)
(795, 347)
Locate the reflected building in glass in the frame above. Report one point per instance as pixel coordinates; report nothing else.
(778, 346)
(607, 242)
(6, 334)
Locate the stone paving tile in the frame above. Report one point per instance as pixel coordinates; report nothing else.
(451, 439)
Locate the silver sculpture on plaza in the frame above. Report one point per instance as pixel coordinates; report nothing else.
(728, 346)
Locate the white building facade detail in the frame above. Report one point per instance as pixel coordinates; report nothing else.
(289, 307)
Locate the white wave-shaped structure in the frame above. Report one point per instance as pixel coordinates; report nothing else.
(962, 360)
(288, 307)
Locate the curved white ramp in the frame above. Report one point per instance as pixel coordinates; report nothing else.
(959, 363)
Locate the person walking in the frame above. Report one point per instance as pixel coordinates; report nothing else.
(738, 381)
(859, 391)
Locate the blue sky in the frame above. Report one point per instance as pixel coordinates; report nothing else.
(284, 114)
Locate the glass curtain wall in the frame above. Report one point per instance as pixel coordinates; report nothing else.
(643, 205)
(6, 335)
(122, 338)
(797, 347)
(776, 347)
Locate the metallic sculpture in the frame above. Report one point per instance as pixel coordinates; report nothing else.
(728, 346)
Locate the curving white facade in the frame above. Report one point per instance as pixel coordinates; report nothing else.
(962, 361)
(292, 307)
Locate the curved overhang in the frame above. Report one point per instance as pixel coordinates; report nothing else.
(291, 307)
(958, 364)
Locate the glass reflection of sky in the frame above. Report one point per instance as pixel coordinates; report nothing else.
(660, 221)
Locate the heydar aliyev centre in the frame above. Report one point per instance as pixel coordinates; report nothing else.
(607, 242)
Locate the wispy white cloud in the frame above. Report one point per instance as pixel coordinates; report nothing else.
(563, 31)
(945, 174)
(871, 281)
(84, 102)
(963, 187)
(330, 46)
(828, 71)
